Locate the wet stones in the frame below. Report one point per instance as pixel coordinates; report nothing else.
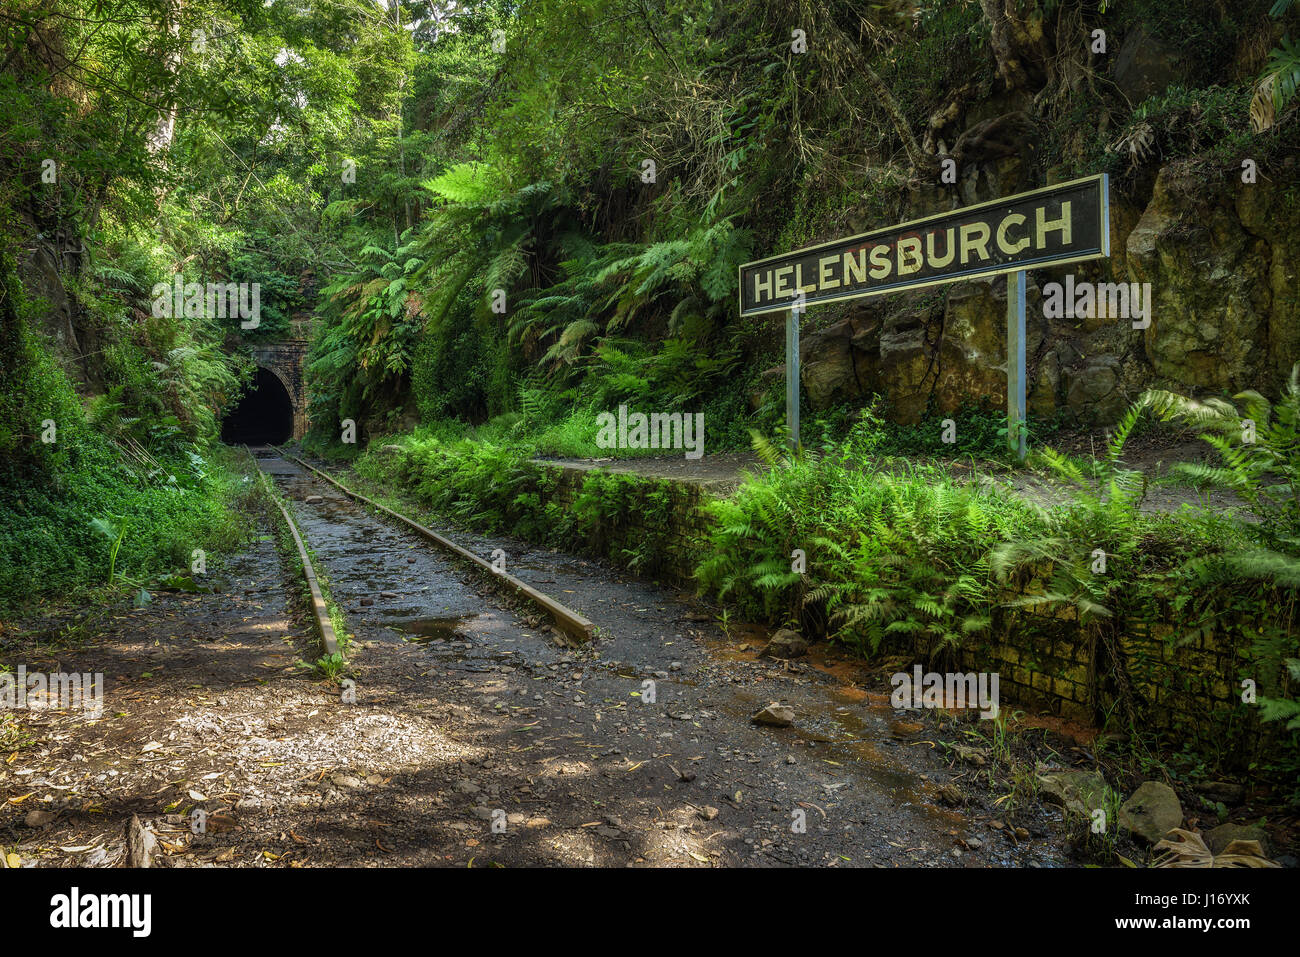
(39, 817)
(951, 795)
(1223, 791)
(1218, 838)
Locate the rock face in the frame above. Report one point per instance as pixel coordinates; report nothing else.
(1095, 389)
(1224, 274)
(1209, 280)
(1152, 812)
(1143, 66)
(1258, 207)
(828, 365)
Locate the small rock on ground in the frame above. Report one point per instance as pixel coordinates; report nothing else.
(1152, 812)
(785, 644)
(1218, 838)
(775, 716)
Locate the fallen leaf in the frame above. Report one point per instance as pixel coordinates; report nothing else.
(220, 822)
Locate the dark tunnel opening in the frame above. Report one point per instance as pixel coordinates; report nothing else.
(263, 415)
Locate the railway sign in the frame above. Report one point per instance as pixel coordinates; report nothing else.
(1052, 226)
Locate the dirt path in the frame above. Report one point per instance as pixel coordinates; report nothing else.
(477, 740)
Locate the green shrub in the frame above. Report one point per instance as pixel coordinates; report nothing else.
(52, 545)
(888, 553)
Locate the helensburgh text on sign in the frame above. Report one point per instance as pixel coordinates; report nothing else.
(1058, 224)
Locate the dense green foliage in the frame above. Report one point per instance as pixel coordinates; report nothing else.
(497, 488)
(122, 494)
(541, 267)
(146, 144)
(939, 563)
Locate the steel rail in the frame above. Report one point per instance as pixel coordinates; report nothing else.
(566, 619)
(320, 610)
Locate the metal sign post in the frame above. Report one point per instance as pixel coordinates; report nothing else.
(1016, 362)
(792, 376)
(1058, 224)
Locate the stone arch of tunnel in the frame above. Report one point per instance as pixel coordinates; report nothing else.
(263, 415)
(283, 361)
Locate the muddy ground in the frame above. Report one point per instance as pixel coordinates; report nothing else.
(477, 739)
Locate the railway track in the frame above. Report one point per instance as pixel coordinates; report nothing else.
(473, 737)
(316, 599)
(344, 522)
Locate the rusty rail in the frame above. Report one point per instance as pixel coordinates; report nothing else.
(566, 619)
(320, 610)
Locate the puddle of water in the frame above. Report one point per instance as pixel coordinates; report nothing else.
(409, 612)
(424, 630)
(566, 568)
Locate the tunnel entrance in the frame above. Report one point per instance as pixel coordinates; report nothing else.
(262, 416)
